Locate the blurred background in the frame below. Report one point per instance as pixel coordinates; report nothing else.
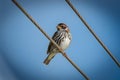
(23, 47)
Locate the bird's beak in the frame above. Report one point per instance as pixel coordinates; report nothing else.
(67, 29)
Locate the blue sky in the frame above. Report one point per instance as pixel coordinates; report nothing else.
(23, 47)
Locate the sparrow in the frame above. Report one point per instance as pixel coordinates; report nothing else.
(62, 37)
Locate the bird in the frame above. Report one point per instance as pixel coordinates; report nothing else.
(62, 37)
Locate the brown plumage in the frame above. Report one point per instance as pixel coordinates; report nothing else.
(62, 37)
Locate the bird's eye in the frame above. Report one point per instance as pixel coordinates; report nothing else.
(63, 27)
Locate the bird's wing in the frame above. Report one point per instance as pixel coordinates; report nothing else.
(57, 38)
(51, 44)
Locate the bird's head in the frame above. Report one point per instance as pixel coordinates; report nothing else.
(62, 26)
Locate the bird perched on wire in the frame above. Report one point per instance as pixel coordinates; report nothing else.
(62, 37)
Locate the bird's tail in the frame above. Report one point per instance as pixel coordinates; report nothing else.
(49, 58)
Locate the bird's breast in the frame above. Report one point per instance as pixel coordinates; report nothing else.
(65, 43)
